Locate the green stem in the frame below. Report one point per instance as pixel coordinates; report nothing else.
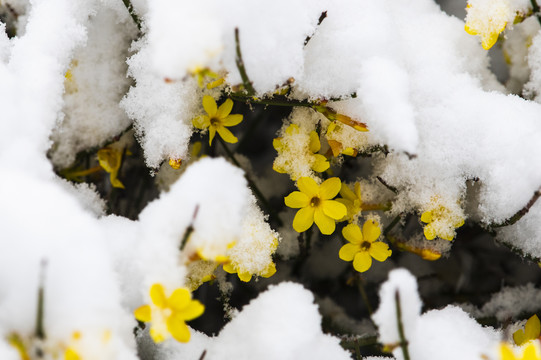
(189, 229)
(240, 65)
(252, 184)
(362, 290)
(321, 18)
(535, 8)
(384, 183)
(277, 100)
(393, 223)
(365, 341)
(403, 341)
(519, 214)
(131, 11)
(40, 330)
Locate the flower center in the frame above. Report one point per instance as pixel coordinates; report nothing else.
(167, 312)
(315, 201)
(365, 245)
(214, 121)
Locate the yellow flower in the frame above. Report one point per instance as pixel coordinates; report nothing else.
(318, 162)
(218, 119)
(202, 73)
(110, 160)
(530, 352)
(316, 205)
(351, 199)
(175, 163)
(245, 276)
(487, 21)
(441, 222)
(531, 331)
(362, 246)
(336, 146)
(169, 315)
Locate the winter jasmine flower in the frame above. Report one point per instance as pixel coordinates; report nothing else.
(531, 331)
(441, 222)
(362, 246)
(218, 119)
(169, 314)
(487, 19)
(351, 199)
(531, 352)
(316, 205)
(110, 160)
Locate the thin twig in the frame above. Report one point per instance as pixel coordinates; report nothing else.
(131, 11)
(384, 183)
(519, 214)
(40, 330)
(242, 70)
(362, 290)
(189, 229)
(393, 223)
(403, 341)
(321, 18)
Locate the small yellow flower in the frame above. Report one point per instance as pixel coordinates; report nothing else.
(245, 275)
(316, 205)
(110, 160)
(201, 73)
(175, 163)
(362, 246)
(441, 223)
(218, 119)
(529, 353)
(336, 146)
(169, 315)
(351, 199)
(318, 162)
(531, 331)
(487, 21)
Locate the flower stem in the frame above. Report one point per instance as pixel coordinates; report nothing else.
(403, 341)
(240, 66)
(519, 214)
(189, 229)
(131, 11)
(321, 18)
(40, 331)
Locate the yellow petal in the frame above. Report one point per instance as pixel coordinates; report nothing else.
(114, 181)
(193, 310)
(269, 271)
(308, 186)
(429, 232)
(201, 122)
(469, 29)
(325, 224)
(292, 129)
(212, 133)
(348, 251)
(379, 251)
(303, 219)
(426, 217)
(157, 295)
(297, 200)
(346, 192)
(227, 135)
(320, 163)
(315, 144)
(232, 120)
(489, 40)
(506, 353)
(225, 109)
(71, 354)
(277, 144)
(229, 268)
(178, 328)
(336, 147)
(215, 83)
(532, 329)
(518, 337)
(353, 233)
(209, 104)
(244, 276)
(530, 353)
(330, 188)
(459, 223)
(371, 231)
(334, 209)
(362, 261)
(179, 299)
(143, 313)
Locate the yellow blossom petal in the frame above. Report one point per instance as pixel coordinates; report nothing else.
(244, 276)
(178, 328)
(193, 310)
(157, 295)
(297, 200)
(71, 354)
(532, 329)
(320, 163)
(179, 299)
(348, 251)
(215, 83)
(229, 268)
(353, 233)
(379, 251)
(429, 232)
(336, 147)
(224, 109)
(227, 135)
(209, 104)
(325, 224)
(269, 271)
(156, 335)
(201, 122)
(315, 144)
(232, 120)
(143, 313)
(530, 353)
(330, 188)
(308, 186)
(371, 230)
(362, 261)
(426, 217)
(212, 133)
(346, 192)
(277, 144)
(303, 219)
(334, 209)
